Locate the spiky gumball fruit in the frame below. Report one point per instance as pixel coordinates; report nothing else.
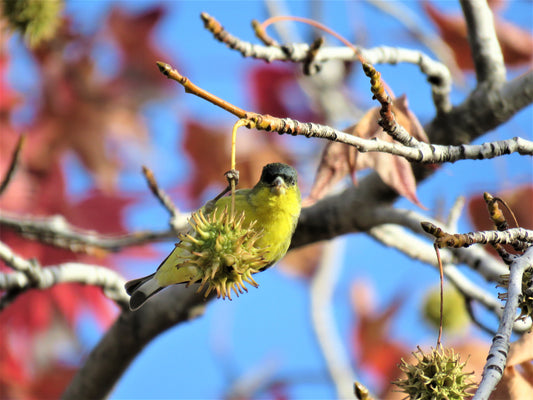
(36, 20)
(222, 250)
(437, 375)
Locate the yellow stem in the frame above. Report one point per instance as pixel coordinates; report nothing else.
(237, 125)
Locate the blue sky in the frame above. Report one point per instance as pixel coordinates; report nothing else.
(269, 330)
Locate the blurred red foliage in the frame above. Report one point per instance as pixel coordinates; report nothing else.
(76, 109)
(516, 43)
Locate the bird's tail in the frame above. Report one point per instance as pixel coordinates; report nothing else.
(141, 289)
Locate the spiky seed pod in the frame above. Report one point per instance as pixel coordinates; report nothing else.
(36, 20)
(222, 250)
(525, 302)
(437, 375)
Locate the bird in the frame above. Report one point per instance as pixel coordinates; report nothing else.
(269, 212)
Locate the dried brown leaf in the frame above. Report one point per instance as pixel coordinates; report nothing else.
(339, 159)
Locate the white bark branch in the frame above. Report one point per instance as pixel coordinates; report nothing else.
(510, 236)
(412, 246)
(416, 151)
(437, 73)
(30, 275)
(497, 358)
(486, 51)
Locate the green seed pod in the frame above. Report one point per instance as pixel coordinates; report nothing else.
(437, 375)
(222, 252)
(36, 20)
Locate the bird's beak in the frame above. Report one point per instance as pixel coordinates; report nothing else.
(278, 187)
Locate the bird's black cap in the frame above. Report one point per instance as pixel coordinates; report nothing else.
(271, 171)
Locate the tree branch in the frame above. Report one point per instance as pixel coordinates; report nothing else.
(128, 336)
(486, 51)
(497, 358)
(56, 231)
(410, 148)
(30, 275)
(417, 249)
(13, 164)
(478, 259)
(437, 73)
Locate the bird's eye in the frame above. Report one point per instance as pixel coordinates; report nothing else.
(288, 179)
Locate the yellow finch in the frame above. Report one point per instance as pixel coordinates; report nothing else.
(266, 215)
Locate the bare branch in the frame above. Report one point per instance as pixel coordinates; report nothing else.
(56, 231)
(411, 149)
(497, 358)
(455, 214)
(396, 237)
(437, 73)
(12, 165)
(30, 275)
(159, 193)
(510, 236)
(476, 257)
(406, 16)
(486, 51)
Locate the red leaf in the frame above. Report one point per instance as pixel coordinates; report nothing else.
(100, 211)
(274, 90)
(209, 148)
(139, 49)
(516, 43)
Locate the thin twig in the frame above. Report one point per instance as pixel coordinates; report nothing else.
(13, 164)
(56, 231)
(481, 325)
(455, 213)
(416, 151)
(441, 282)
(159, 193)
(437, 73)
